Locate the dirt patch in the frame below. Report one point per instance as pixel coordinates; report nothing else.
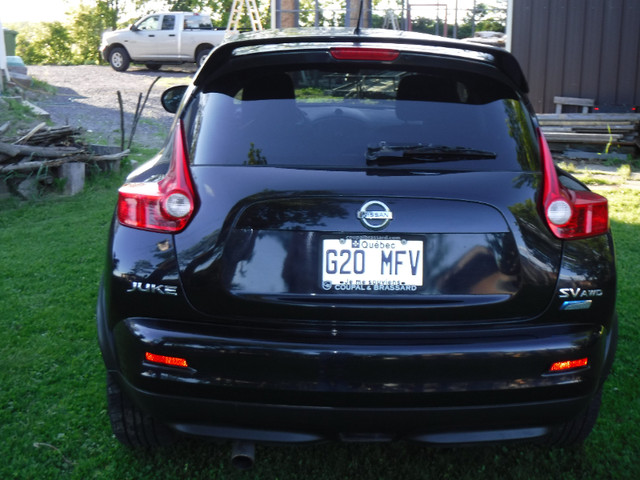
(86, 97)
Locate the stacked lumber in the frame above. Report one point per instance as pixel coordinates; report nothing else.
(612, 129)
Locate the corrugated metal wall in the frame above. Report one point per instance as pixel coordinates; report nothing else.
(579, 48)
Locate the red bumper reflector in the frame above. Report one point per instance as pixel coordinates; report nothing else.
(569, 364)
(361, 53)
(171, 361)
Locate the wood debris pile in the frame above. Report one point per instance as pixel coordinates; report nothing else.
(42, 150)
(47, 147)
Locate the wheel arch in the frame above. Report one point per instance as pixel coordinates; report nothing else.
(110, 48)
(201, 47)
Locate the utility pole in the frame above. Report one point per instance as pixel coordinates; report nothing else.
(455, 22)
(473, 19)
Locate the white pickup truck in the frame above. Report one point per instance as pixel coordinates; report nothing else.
(161, 38)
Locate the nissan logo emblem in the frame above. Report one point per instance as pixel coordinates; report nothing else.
(375, 215)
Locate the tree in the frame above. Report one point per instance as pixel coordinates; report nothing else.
(484, 18)
(219, 9)
(47, 43)
(86, 27)
(427, 25)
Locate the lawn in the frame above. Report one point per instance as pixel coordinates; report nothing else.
(53, 421)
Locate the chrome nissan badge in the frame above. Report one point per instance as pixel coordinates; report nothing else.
(375, 215)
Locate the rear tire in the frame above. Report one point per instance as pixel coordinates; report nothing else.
(119, 59)
(201, 56)
(576, 431)
(132, 427)
(153, 66)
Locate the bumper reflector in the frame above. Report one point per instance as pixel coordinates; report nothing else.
(171, 361)
(569, 364)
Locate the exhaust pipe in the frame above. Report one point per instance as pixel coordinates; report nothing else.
(243, 454)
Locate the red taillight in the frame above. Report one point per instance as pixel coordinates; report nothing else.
(358, 53)
(570, 214)
(569, 365)
(164, 360)
(166, 205)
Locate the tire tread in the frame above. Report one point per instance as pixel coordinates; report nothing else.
(132, 427)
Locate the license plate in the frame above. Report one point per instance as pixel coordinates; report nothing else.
(368, 265)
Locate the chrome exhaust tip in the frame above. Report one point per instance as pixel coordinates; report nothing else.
(243, 454)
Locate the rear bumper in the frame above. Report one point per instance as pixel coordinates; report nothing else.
(270, 423)
(447, 388)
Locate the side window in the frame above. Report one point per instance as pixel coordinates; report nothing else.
(150, 23)
(168, 22)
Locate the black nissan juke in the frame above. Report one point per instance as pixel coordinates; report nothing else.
(356, 236)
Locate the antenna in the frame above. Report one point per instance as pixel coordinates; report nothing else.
(357, 30)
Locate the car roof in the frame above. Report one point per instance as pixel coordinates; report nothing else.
(301, 38)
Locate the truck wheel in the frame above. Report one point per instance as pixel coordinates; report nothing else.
(153, 66)
(119, 59)
(201, 56)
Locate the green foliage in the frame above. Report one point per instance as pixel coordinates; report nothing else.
(219, 9)
(491, 25)
(428, 25)
(19, 115)
(484, 18)
(480, 18)
(187, 5)
(74, 42)
(45, 43)
(86, 26)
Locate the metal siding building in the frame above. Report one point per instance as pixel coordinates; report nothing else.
(579, 48)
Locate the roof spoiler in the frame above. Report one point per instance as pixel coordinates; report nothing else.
(503, 59)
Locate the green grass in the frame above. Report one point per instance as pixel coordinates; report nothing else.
(53, 421)
(20, 116)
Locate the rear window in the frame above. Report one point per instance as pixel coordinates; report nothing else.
(197, 22)
(357, 118)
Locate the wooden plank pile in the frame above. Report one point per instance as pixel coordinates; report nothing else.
(602, 130)
(46, 153)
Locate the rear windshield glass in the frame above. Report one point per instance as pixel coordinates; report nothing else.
(197, 22)
(360, 119)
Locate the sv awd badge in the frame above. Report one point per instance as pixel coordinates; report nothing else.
(153, 288)
(575, 293)
(578, 298)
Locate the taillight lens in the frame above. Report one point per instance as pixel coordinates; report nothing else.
(163, 206)
(569, 213)
(364, 53)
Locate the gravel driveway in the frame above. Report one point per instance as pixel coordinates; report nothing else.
(87, 97)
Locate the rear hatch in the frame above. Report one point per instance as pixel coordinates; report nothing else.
(359, 194)
(292, 238)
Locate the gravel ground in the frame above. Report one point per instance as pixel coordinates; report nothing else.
(87, 97)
